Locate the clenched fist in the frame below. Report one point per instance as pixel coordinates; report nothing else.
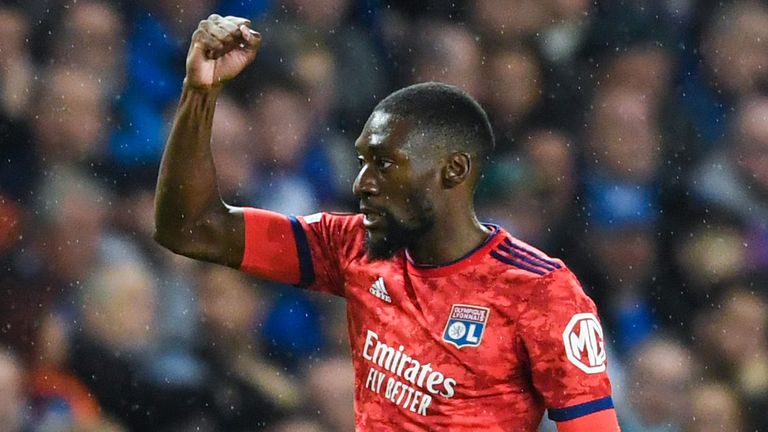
(221, 48)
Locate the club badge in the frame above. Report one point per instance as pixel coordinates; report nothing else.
(465, 325)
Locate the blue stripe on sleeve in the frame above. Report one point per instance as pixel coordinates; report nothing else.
(306, 269)
(576, 411)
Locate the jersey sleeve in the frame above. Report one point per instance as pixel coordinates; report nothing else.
(327, 243)
(563, 340)
(308, 251)
(270, 246)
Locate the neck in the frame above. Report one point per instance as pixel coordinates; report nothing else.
(451, 238)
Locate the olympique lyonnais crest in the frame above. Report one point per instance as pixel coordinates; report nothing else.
(465, 326)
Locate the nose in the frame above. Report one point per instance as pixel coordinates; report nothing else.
(365, 182)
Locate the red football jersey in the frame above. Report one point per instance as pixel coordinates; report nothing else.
(484, 343)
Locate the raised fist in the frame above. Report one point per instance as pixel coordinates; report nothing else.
(221, 48)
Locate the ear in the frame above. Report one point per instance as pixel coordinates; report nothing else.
(457, 169)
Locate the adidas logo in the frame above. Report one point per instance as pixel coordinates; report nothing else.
(379, 290)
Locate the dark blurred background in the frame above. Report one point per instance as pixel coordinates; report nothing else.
(632, 143)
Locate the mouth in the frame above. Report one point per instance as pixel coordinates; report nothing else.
(371, 217)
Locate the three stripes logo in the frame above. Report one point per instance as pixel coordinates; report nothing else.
(379, 290)
(524, 258)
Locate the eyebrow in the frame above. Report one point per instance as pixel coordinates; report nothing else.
(375, 146)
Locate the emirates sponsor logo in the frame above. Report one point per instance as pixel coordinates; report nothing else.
(402, 379)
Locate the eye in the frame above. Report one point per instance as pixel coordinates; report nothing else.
(360, 161)
(383, 164)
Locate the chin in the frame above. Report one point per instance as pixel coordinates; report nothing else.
(380, 247)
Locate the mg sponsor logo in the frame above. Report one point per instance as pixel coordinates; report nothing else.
(584, 345)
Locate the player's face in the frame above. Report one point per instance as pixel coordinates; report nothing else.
(393, 185)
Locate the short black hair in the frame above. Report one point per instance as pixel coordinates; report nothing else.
(446, 112)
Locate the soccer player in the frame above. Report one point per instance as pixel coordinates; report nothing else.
(455, 325)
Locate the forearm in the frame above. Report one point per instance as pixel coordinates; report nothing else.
(190, 218)
(187, 197)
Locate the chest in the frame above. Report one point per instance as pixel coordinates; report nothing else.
(462, 325)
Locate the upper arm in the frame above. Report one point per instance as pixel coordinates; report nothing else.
(563, 338)
(217, 237)
(307, 251)
(232, 237)
(326, 244)
(270, 246)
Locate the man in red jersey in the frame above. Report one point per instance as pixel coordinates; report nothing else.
(454, 325)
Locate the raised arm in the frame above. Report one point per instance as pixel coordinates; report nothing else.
(190, 217)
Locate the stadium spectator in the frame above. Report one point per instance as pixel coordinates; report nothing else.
(112, 351)
(244, 388)
(285, 185)
(60, 399)
(729, 66)
(735, 332)
(622, 250)
(87, 41)
(330, 387)
(298, 424)
(716, 247)
(445, 52)
(329, 24)
(330, 157)
(623, 138)
(316, 71)
(69, 125)
(16, 66)
(175, 325)
(19, 163)
(561, 42)
(642, 67)
(659, 374)
(233, 151)
(714, 407)
(513, 93)
(553, 156)
(154, 45)
(732, 48)
(11, 226)
(622, 158)
(13, 398)
(59, 245)
(543, 175)
(502, 21)
(734, 178)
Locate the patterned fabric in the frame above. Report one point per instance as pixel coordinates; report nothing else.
(485, 343)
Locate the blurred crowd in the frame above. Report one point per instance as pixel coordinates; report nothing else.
(632, 141)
